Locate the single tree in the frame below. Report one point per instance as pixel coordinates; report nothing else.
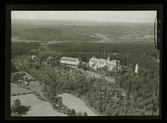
(15, 106)
(79, 113)
(84, 114)
(72, 112)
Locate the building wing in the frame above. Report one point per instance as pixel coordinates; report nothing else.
(69, 61)
(111, 63)
(93, 59)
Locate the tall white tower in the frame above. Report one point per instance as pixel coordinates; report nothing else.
(137, 68)
(108, 59)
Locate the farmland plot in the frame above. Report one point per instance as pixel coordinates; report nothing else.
(75, 103)
(15, 89)
(38, 107)
(35, 86)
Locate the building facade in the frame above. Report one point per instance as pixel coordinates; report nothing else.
(102, 63)
(93, 62)
(69, 61)
(99, 63)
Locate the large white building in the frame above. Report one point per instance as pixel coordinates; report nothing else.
(98, 63)
(69, 61)
(93, 62)
(33, 56)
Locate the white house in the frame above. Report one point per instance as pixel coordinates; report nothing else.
(33, 56)
(112, 64)
(69, 61)
(102, 63)
(93, 62)
(49, 58)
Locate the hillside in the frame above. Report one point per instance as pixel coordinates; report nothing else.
(47, 30)
(43, 30)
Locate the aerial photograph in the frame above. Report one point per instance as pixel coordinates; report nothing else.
(84, 63)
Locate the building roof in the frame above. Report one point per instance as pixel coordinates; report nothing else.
(68, 58)
(33, 56)
(102, 60)
(94, 59)
(115, 60)
(110, 68)
(111, 62)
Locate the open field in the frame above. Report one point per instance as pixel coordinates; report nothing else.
(38, 107)
(35, 86)
(75, 103)
(15, 89)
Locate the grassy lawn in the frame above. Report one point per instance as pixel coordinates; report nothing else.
(38, 107)
(75, 103)
(35, 86)
(15, 89)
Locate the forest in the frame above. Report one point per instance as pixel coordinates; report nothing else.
(22, 48)
(142, 94)
(142, 90)
(55, 33)
(129, 54)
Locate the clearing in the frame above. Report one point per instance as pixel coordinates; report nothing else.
(75, 103)
(38, 107)
(35, 86)
(15, 89)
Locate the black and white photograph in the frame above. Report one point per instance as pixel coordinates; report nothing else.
(84, 63)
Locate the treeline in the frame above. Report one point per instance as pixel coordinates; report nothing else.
(145, 54)
(22, 48)
(129, 54)
(124, 48)
(56, 33)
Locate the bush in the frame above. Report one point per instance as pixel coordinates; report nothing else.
(14, 94)
(72, 112)
(16, 114)
(84, 114)
(23, 109)
(79, 114)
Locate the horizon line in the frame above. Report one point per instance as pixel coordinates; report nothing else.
(77, 20)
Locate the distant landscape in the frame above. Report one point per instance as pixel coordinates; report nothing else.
(40, 80)
(81, 31)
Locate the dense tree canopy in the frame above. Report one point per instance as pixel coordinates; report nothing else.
(131, 94)
(22, 48)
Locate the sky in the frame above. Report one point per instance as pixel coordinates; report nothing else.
(102, 16)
